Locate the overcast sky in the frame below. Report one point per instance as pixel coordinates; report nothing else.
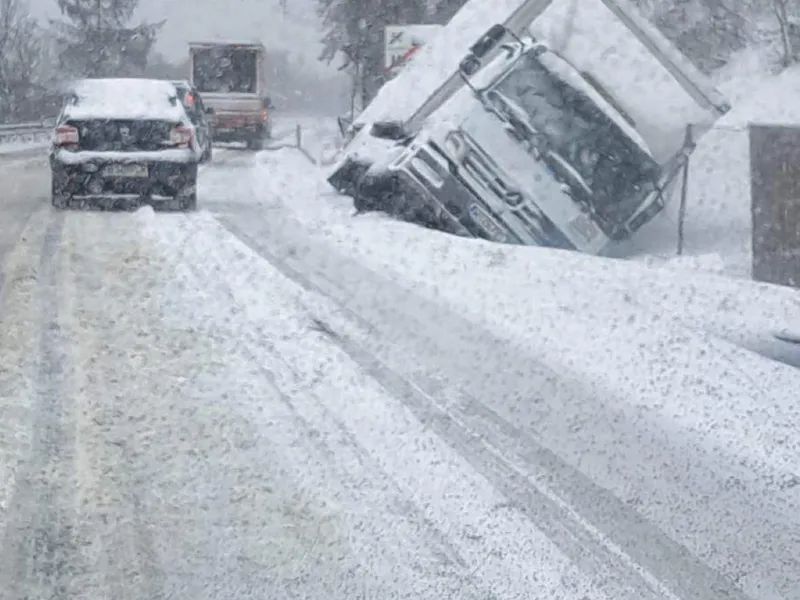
(197, 20)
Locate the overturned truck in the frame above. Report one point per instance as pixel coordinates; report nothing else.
(567, 140)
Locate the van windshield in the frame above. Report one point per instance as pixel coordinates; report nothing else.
(612, 165)
(226, 70)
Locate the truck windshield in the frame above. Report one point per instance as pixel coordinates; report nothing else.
(226, 70)
(612, 165)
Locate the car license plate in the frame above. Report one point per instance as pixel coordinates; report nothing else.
(486, 223)
(126, 171)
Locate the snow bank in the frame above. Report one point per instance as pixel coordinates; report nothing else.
(743, 312)
(655, 345)
(19, 147)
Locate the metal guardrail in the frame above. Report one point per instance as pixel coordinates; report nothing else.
(25, 133)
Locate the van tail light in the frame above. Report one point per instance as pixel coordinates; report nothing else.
(181, 136)
(66, 135)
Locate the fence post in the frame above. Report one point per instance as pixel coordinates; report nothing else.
(684, 190)
(298, 135)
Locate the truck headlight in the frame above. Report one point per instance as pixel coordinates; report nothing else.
(456, 144)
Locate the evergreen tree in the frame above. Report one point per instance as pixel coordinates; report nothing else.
(354, 32)
(97, 40)
(20, 54)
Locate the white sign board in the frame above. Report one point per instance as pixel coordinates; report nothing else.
(400, 39)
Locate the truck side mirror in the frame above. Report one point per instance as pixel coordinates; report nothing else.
(488, 40)
(389, 130)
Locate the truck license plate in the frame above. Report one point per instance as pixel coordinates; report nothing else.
(126, 171)
(486, 223)
(584, 227)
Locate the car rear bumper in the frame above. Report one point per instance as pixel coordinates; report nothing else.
(171, 156)
(93, 179)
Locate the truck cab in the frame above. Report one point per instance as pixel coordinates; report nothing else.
(231, 76)
(560, 143)
(530, 151)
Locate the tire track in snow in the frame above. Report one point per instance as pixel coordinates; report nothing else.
(258, 338)
(517, 466)
(39, 545)
(116, 543)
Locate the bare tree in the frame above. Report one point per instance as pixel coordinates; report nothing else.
(20, 51)
(781, 9)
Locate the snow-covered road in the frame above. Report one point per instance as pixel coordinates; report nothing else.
(230, 404)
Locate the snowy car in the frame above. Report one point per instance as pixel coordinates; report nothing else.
(199, 114)
(124, 141)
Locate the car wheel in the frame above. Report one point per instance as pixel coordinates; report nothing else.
(187, 195)
(59, 198)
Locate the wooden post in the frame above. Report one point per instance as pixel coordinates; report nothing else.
(684, 191)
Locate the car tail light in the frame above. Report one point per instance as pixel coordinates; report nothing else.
(265, 115)
(181, 136)
(66, 135)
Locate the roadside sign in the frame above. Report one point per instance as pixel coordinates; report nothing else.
(775, 193)
(400, 42)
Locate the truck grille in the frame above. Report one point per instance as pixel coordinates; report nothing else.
(122, 135)
(482, 170)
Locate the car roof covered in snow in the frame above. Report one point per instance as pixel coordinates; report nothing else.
(124, 99)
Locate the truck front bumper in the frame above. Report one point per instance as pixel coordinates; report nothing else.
(428, 178)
